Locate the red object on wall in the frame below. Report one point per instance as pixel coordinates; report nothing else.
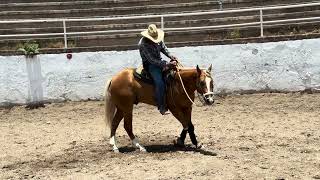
(69, 54)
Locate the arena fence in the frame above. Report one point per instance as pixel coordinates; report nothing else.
(162, 18)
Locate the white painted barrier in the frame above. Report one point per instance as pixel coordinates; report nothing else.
(260, 10)
(286, 66)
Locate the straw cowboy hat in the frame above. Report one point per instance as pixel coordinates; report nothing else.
(153, 33)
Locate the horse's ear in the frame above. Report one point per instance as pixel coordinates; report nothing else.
(210, 68)
(198, 70)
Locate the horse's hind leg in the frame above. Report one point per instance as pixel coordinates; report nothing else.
(115, 123)
(128, 128)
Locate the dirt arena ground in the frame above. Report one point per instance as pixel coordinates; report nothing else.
(261, 136)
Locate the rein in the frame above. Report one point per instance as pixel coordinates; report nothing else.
(180, 66)
(184, 89)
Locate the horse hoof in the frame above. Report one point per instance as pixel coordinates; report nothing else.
(200, 146)
(143, 150)
(116, 151)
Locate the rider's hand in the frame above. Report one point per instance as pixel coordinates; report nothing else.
(172, 64)
(173, 58)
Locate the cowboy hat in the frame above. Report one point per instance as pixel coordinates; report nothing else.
(153, 33)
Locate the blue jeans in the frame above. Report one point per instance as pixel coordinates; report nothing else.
(156, 74)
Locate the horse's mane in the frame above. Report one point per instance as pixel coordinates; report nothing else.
(186, 69)
(189, 68)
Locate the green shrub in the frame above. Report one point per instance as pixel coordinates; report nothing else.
(235, 34)
(30, 48)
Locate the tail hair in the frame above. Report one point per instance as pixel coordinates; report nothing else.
(110, 108)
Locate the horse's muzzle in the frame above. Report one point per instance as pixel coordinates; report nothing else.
(209, 98)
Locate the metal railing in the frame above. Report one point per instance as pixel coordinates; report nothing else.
(260, 10)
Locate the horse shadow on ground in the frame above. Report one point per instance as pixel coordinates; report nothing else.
(80, 155)
(157, 148)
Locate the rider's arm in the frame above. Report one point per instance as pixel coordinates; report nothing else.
(165, 50)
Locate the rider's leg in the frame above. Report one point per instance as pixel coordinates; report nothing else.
(156, 74)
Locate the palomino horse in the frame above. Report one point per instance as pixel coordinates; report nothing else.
(124, 90)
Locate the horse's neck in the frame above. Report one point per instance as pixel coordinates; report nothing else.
(188, 76)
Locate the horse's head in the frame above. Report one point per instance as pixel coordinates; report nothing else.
(205, 85)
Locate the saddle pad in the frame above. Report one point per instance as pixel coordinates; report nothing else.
(140, 74)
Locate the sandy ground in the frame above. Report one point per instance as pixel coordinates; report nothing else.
(261, 136)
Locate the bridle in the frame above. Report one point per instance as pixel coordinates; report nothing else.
(197, 85)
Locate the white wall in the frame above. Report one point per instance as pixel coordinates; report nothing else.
(288, 66)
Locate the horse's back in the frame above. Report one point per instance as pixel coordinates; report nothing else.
(122, 80)
(127, 87)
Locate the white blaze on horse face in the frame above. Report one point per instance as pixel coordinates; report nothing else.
(210, 90)
(208, 81)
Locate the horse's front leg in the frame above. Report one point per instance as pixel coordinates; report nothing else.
(190, 130)
(180, 140)
(192, 135)
(184, 116)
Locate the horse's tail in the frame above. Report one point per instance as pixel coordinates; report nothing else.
(110, 108)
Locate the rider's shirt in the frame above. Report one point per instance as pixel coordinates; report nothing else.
(150, 52)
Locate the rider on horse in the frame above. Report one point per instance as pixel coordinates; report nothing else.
(150, 46)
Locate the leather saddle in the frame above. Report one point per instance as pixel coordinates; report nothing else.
(141, 74)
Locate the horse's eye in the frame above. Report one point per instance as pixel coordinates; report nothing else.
(202, 83)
